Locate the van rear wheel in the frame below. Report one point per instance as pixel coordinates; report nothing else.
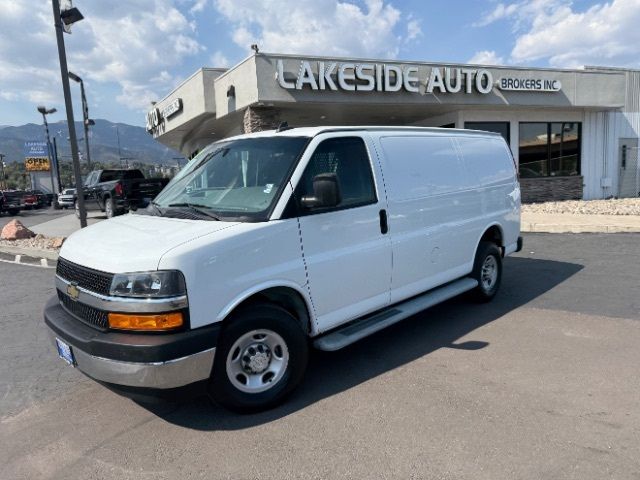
(260, 359)
(487, 270)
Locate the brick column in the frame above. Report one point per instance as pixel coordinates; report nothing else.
(257, 119)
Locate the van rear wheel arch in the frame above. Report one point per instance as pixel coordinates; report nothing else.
(492, 234)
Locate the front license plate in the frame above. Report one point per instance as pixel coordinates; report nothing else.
(65, 352)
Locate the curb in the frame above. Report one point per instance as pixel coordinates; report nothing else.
(576, 228)
(28, 256)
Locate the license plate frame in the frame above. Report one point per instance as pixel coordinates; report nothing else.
(65, 352)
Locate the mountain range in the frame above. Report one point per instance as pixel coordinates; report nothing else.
(136, 144)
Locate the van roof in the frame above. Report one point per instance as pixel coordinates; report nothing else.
(313, 131)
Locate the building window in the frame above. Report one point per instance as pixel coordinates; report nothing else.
(550, 149)
(498, 127)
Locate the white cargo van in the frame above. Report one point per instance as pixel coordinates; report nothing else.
(265, 244)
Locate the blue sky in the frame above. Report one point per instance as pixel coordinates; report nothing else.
(139, 51)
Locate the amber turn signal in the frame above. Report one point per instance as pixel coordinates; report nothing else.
(158, 322)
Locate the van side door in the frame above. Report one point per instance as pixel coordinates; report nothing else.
(431, 205)
(346, 251)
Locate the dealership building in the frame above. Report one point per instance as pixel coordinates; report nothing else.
(573, 133)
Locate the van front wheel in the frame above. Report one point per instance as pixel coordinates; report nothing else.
(261, 357)
(487, 270)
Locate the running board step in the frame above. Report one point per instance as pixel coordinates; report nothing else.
(364, 327)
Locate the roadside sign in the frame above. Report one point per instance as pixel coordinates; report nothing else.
(36, 157)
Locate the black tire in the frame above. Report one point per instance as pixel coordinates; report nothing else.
(248, 319)
(14, 211)
(486, 289)
(109, 207)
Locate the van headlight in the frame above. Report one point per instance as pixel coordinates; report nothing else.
(162, 283)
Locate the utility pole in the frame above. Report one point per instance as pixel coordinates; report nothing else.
(3, 180)
(64, 72)
(55, 155)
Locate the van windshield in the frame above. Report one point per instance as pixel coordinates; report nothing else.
(237, 179)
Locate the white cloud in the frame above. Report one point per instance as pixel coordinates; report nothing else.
(218, 59)
(324, 27)
(198, 6)
(486, 57)
(553, 31)
(499, 12)
(134, 48)
(413, 29)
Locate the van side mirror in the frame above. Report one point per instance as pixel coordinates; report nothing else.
(326, 192)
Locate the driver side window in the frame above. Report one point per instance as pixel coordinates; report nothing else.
(347, 158)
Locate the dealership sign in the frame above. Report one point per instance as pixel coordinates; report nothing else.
(36, 157)
(383, 77)
(156, 117)
(529, 84)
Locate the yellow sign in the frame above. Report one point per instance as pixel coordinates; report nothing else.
(37, 164)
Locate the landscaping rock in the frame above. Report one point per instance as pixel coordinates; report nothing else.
(15, 230)
(618, 206)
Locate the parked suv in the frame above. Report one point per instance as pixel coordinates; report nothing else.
(266, 244)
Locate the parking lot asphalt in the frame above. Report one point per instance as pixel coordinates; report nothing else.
(542, 383)
(30, 218)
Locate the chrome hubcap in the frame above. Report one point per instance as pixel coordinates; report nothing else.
(257, 361)
(489, 274)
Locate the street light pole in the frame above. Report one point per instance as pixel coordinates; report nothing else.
(64, 72)
(85, 115)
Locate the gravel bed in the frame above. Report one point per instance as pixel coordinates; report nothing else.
(622, 206)
(39, 242)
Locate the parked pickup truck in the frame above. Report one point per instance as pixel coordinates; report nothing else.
(11, 201)
(117, 191)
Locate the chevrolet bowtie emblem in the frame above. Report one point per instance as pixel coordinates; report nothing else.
(72, 291)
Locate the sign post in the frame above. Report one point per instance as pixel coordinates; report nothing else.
(37, 158)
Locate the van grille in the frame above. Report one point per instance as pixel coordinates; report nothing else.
(90, 315)
(87, 278)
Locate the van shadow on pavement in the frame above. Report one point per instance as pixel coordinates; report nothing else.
(329, 373)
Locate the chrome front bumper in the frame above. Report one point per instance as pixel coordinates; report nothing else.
(160, 375)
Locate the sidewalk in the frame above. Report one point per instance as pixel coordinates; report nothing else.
(578, 223)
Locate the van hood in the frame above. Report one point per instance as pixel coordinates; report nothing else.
(133, 243)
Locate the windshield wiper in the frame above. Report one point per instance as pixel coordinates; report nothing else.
(201, 209)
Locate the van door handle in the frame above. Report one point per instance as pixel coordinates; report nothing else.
(384, 225)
